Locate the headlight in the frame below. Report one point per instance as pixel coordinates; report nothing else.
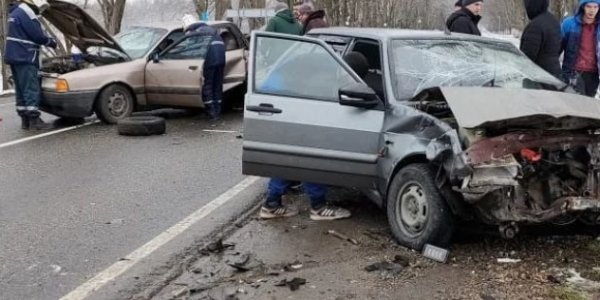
(62, 86)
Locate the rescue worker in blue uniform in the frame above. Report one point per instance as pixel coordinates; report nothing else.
(214, 65)
(23, 42)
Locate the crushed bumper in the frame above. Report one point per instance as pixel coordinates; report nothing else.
(68, 105)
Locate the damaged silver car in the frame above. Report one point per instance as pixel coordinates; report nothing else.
(441, 127)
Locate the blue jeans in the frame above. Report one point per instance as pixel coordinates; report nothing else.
(278, 187)
(27, 90)
(212, 90)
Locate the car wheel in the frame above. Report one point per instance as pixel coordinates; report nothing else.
(142, 126)
(417, 213)
(114, 103)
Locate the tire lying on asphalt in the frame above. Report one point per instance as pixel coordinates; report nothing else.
(142, 126)
(417, 212)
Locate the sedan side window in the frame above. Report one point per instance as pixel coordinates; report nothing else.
(192, 47)
(298, 69)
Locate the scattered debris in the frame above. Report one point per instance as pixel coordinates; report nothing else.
(246, 263)
(487, 297)
(508, 260)
(56, 269)
(385, 267)
(293, 284)
(180, 292)
(115, 222)
(553, 279)
(342, 237)
(216, 247)
(436, 253)
(401, 260)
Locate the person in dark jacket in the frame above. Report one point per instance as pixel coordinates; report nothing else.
(284, 21)
(541, 40)
(458, 5)
(465, 20)
(580, 37)
(24, 40)
(214, 65)
(311, 19)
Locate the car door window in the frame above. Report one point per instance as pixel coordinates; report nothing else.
(298, 69)
(191, 47)
(371, 51)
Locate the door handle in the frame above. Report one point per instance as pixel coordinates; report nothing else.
(264, 108)
(193, 68)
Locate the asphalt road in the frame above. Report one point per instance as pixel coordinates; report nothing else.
(73, 203)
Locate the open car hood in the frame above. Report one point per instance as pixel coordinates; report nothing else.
(79, 27)
(521, 108)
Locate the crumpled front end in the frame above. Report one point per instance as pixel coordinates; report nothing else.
(533, 177)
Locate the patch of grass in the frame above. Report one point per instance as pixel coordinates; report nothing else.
(592, 274)
(594, 246)
(567, 293)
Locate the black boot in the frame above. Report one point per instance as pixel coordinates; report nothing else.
(24, 123)
(39, 124)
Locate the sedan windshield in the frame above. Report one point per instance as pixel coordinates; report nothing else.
(423, 64)
(137, 41)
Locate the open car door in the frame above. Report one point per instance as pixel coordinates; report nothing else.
(175, 76)
(294, 125)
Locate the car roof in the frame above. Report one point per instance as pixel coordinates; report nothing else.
(170, 26)
(390, 33)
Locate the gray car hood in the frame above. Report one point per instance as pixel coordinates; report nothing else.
(78, 27)
(502, 107)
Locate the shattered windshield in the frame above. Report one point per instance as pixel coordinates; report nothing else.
(422, 64)
(138, 41)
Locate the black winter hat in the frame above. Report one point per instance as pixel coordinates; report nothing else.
(458, 3)
(469, 2)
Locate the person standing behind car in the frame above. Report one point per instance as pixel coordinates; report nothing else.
(23, 42)
(580, 36)
(541, 39)
(465, 20)
(284, 21)
(311, 18)
(214, 65)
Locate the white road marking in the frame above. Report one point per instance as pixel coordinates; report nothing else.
(39, 136)
(220, 131)
(136, 256)
(6, 104)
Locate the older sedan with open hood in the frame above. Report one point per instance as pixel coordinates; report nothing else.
(435, 127)
(140, 67)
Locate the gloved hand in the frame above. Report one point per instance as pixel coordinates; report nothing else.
(51, 43)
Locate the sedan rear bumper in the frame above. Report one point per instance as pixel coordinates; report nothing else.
(68, 105)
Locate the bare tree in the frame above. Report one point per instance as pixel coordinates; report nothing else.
(3, 33)
(112, 11)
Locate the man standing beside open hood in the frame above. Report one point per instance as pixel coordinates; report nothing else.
(25, 37)
(580, 36)
(541, 40)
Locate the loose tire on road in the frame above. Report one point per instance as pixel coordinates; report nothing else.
(114, 103)
(417, 213)
(142, 126)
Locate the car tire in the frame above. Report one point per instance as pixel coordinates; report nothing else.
(142, 126)
(114, 103)
(417, 213)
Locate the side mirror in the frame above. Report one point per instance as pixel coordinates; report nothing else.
(358, 95)
(155, 57)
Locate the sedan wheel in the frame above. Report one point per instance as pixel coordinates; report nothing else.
(114, 103)
(417, 213)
